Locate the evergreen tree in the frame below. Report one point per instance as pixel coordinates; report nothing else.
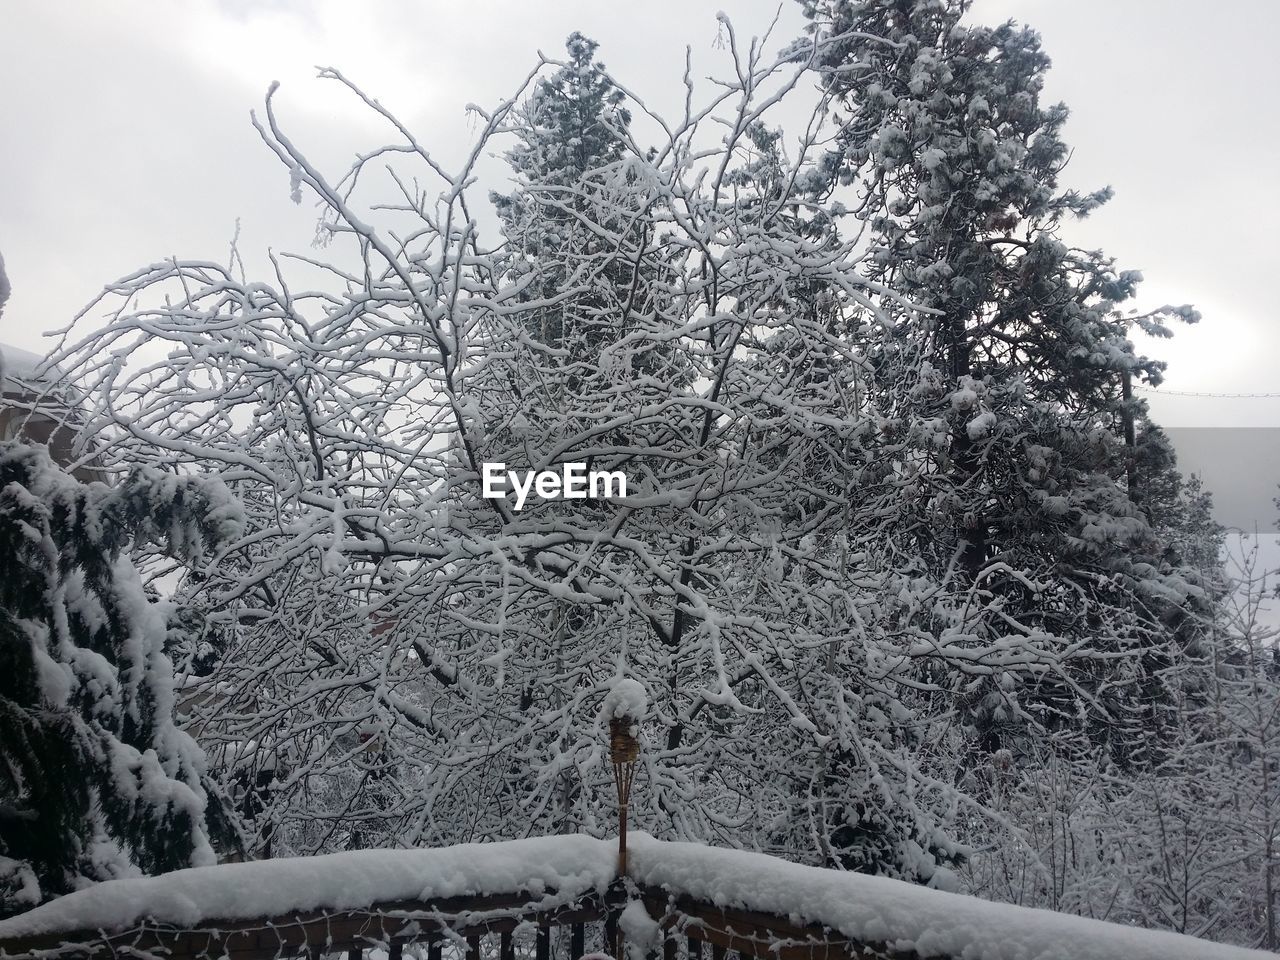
(572, 136)
(96, 779)
(1007, 394)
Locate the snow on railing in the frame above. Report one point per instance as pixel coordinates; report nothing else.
(558, 897)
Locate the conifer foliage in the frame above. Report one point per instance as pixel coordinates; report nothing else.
(1008, 395)
(572, 135)
(95, 778)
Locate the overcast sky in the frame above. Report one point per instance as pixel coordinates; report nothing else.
(126, 135)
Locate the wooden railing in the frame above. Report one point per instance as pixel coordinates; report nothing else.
(495, 927)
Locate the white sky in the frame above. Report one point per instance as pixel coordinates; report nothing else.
(126, 139)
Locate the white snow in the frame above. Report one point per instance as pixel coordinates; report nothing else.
(626, 698)
(18, 365)
(21, 880)
(964, 399)
(571, 865)
(981, 425)
(640, 932)
(876, 909)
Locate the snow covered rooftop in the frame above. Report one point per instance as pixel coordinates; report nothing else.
(19, 364)
(874, 910)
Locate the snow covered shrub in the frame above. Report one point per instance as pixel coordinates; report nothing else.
(95, 778)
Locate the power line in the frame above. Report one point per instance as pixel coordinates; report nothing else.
(1193, 393)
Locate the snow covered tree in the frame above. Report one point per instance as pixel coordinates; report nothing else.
(1008, 396)
(693, 338)
(572, 136)
(1239, 763)
(96, 779)
(880, 534)
(1185, 840)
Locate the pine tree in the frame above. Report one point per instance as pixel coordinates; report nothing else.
(96, 779)
(572, 138)
(1007, 395)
